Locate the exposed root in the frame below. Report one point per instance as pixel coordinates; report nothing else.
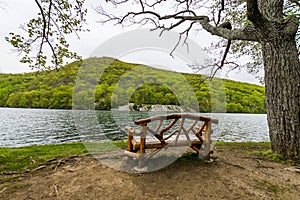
(3, 190)
(56, 191)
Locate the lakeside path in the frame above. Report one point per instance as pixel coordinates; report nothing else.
(236, 173)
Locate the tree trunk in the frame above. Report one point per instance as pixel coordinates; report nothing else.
(282, 80)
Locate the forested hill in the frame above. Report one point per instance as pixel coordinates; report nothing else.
(107, 82)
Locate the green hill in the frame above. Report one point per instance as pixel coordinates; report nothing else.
(104, 83)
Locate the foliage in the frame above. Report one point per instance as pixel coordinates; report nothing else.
(46, 33)
(120, 84)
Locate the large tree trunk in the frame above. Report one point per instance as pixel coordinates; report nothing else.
(282, 80)
(282, 75)
(277, 34)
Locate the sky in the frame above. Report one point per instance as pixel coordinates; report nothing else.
(13, 13)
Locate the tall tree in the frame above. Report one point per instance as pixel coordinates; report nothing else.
(261, 21)
(268, 26)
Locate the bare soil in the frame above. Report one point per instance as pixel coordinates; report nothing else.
(234, 174)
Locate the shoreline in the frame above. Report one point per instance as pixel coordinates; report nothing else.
(27, 158)
(246, 170)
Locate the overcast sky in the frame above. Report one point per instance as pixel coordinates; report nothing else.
(16, 12)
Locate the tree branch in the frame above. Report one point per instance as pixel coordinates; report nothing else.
(296, 2)
(185, 14)
(46, 30)
(254, 14)
(220, 12)
(248, 33)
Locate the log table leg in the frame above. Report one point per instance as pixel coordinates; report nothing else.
(207, 141)
(143, 146)
(129, 141)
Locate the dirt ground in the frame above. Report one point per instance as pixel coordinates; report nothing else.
(233, 175)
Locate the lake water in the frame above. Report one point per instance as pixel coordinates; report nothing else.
(24, 127)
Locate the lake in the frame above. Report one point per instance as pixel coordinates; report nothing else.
(25, 127)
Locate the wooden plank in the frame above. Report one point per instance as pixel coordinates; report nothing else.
(134, 155)
(151, 145)
(176, 116)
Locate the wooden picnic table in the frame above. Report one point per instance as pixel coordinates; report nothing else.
(174, 133)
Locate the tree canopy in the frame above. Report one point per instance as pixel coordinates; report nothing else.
(45, 40)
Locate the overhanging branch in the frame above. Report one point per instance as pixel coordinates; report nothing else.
(248, 33)
(254, 14)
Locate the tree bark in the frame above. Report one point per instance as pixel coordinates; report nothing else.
(282, 74)
(282, 80)
(282, 70)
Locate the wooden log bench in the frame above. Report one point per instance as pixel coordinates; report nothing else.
(174, 133)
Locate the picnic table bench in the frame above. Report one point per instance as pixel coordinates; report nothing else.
(170, 135)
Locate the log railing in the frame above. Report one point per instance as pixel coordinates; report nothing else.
(201, 135)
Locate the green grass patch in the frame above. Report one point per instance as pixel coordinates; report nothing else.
(188, 158)
(244, 144)
(16, 186)
(269, 154)
(20, 159)
(274, 188)
(269, 186)
(16, 160)
(94, 147)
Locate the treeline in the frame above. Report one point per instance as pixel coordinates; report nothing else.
(105, 83)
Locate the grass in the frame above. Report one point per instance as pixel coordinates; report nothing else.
(16, 186)
(17, 160)
(261, 149)
(95, 147)
(245, 144)
(269, 154)
(269, 186)
(188, 158)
